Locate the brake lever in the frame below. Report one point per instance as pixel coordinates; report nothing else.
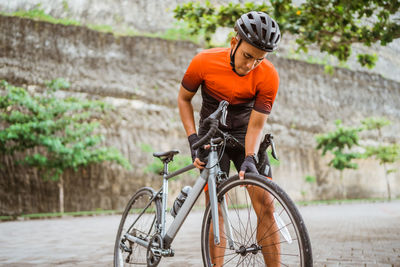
(222, 120)
(273, 152)
(216, 115)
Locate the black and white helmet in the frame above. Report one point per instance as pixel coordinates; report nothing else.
(259, 30)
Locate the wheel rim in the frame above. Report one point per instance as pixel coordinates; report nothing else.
(140, 225)
(242, 216)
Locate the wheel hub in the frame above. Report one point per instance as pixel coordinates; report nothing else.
(251, 249)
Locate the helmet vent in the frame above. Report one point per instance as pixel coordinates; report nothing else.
(264, 33)
(254, 27)
(263, 20)
(271, 38)
(273, 24)
(245, 30)
(250, 16)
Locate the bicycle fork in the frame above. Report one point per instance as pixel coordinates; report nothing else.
(212, 190)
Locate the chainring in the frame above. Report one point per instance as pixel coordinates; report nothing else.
(155, 243)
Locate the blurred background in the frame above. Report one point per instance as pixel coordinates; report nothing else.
(114, 67)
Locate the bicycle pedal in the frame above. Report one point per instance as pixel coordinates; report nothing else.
(157, 252)
(125, 248)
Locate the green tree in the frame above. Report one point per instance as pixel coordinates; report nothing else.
(52, 134)
(156, 166)
(385, 154)
(338, 142)
(332, 25)
(375, 123)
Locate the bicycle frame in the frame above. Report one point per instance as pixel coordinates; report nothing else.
(208, 175)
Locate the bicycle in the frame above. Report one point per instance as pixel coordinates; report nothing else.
(142, 237)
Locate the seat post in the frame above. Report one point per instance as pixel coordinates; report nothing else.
(164, 198)
(165, 171)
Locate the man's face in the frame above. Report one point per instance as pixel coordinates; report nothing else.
(247, 57)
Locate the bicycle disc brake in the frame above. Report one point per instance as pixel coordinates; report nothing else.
(154, 251)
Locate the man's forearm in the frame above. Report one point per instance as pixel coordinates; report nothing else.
(254, 132)
(186, 112)
(253, 138)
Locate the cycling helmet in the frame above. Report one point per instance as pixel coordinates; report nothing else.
(259, 30)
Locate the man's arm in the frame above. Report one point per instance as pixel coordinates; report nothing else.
(186, 110)
(253, 135)
(254, 132)
(187, 117)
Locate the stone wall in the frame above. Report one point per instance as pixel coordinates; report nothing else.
(148, 16)
(140, 76)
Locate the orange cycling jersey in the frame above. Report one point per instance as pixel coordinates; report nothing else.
(211, 69)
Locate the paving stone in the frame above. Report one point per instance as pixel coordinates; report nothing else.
(365, 235)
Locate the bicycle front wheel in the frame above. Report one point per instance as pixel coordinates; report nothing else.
(138, 225)
(262, 226)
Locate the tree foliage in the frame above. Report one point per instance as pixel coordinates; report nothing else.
(53, 134)
(375, 123)
(333, 25)
(337, 142)
(385, 154)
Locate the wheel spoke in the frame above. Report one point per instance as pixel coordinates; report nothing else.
(262, 218)
(230, 221)
(264, 237)
(260, 240)
(139, 219)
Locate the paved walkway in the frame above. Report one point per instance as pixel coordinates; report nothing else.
(341, 235)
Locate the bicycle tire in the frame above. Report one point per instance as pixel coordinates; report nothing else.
(286, 222)
(140, 217)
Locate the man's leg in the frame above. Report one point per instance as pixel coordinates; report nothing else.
(267, 230)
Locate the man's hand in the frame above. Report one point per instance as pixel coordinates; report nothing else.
(193, 138)
(248, 165)
(199, 164)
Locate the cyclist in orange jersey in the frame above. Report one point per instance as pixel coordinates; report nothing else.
(243, 76)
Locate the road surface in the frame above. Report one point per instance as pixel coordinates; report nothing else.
(362, 234)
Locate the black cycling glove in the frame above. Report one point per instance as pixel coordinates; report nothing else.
(200, 153)
(249, 165)
(193, 138)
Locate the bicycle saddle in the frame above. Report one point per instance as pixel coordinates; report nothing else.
(169, 155)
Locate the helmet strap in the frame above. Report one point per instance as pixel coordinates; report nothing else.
(233, 53)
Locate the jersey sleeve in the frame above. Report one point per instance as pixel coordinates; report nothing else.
(194, 74)
(266, 93)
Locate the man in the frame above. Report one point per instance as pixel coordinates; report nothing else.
(242, 76)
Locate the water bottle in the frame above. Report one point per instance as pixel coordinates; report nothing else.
(180, 199)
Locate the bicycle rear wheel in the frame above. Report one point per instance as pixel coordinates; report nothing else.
(139, 220)
(265, 227)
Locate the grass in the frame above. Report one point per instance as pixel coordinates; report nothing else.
(6, 218)
(101, 28)
(50, 215)
(39, 14)
(73, 213)
(179, 31)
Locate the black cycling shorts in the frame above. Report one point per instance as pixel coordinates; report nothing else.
(236, 154)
